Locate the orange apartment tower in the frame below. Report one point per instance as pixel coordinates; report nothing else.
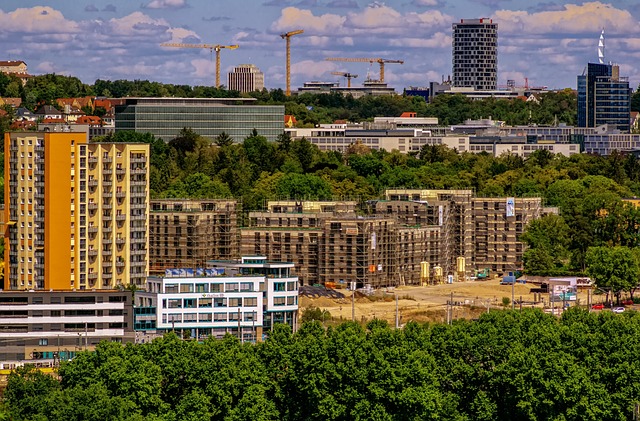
(76, 213)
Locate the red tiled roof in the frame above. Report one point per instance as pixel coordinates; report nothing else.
(53, 120)
(89, 119)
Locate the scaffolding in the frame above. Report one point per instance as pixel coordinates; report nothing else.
(499, 223)
(188, 233)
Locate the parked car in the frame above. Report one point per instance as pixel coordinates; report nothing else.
(618, 309)
(627, 302)
(599, 306)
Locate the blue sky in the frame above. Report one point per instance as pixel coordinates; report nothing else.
(548, 42)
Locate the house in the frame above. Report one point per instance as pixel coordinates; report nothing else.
(14, 102)
(47, 111)
(634, 121)
(16, 68)
(75, 103)
(90, 120)
(25, 115)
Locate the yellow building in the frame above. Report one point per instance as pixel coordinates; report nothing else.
(76, 214)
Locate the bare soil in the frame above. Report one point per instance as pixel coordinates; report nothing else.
(428, 303)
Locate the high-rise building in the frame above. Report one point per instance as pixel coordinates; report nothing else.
(475, 54)
(604, 97)
(166, 117)
(246, 78)
(76, 213)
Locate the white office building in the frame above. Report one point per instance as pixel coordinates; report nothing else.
(246, 78)
(244, 298)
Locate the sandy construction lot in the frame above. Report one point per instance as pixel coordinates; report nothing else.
(428, 303)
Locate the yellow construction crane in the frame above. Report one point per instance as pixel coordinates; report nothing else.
(287, 36)
(211, 47)
(347, 75)
(380, 61)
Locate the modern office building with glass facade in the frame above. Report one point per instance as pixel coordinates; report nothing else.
(604, 97)
(165, 117)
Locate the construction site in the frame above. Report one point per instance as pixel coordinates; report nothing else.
(411, 237)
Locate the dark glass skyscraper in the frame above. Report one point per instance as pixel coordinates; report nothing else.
(475, 54)
(603, 97)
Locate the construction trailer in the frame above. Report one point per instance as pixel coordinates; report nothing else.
(188, 233)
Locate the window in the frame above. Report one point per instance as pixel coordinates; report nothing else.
(251, 302)
(219, 302)
(216, 287)
(205, 302)
(204, 317)
(278, 286)
(249, 316)
(171, 288)
(278, 301)
(291, 301)
(43, 342)
(235, 302)
(186, 287)
(291, 286)
(220, 317)
(202, 287)
(231, 287)
(189, 302)
(190, 317)
(233, 317)
(246, 286)
(174, 303)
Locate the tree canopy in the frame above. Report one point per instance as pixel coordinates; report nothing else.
(507, 365)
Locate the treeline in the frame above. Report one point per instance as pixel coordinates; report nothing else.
(309, 109)
(505, 366)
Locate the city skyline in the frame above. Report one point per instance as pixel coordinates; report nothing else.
(548, 43)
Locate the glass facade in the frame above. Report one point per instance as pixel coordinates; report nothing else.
(603, 97)
(165, 117)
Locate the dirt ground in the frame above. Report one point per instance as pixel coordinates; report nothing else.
(428, 303)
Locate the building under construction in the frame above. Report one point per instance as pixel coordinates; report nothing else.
(188, 233)
(410, 237)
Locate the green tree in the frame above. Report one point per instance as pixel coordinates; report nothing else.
(613, 269)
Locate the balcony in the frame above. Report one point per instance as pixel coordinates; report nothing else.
(138, 240)
(120, 241)
(92, 253)
(92, 159)
(138, 205)
(121, 217)
(92, 275)
(138, 160)
(106, 252)
(92, 183)
(120, 171)
(138, 253)
(92, 206)
(107, 195)
(121, 195)
(106, 275)
(139, 171)
(107, 171)
(92, 230)
(107, 206)
(107, 159)
(120, 264)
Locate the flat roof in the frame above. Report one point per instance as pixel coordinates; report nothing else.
(187, 101)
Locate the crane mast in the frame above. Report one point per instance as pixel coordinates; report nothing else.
(211, 47)
(287, 36)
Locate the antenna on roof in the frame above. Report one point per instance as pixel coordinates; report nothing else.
(601, 48)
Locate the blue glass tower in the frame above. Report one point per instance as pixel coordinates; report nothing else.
(603, 97)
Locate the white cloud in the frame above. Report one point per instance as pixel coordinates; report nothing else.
(584, 18)
(166, 4)
(310, 69)
(37, 20)
(292, 18)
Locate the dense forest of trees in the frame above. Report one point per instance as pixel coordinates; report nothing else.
(507, 365)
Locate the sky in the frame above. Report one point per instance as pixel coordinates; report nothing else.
(547, 43)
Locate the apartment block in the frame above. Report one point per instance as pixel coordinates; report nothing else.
(188, 233)
(292, 231)
(76, 214)
(244, 297)
(52, 326)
